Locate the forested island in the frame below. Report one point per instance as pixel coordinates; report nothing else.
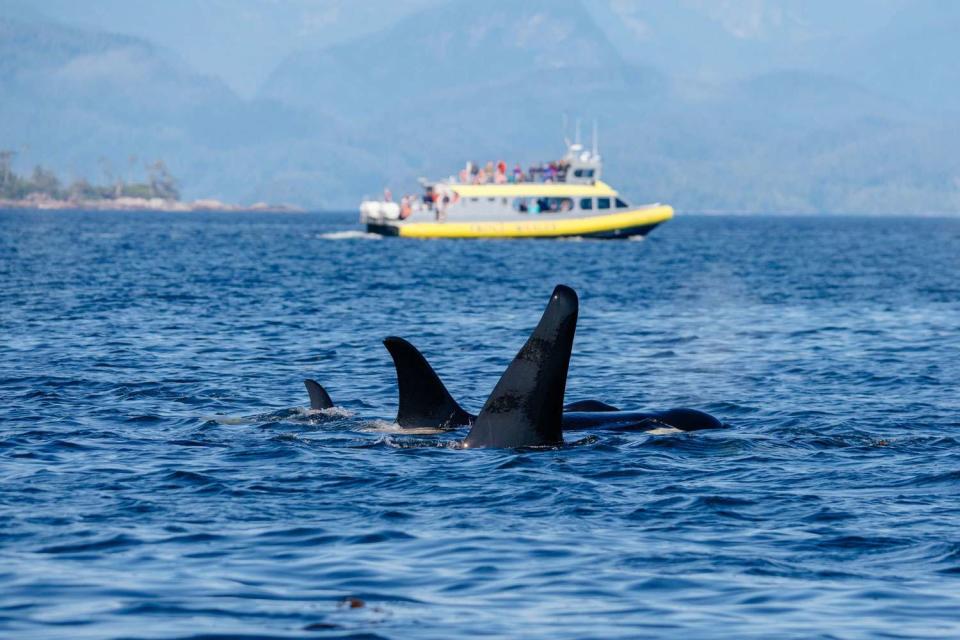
(158, 191)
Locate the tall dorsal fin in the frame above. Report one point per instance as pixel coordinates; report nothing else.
(319, 398)
(424, 401)
(526, 407)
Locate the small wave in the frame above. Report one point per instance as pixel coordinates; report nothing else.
(106, 544)
(228, 421)
(663, 431)
(329, 412)
(294, 414)
(387, 441)
(350, 235)
(383, 426)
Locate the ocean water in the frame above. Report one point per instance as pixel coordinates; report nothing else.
(161, 478)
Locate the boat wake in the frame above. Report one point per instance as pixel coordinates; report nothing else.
(350, 235)
(384, 426)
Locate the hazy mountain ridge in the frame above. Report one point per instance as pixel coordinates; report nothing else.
(83, 102)
(438, 50)
(436, 88)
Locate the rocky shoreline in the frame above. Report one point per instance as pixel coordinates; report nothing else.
(40, 202)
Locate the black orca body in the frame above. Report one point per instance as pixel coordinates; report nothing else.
(431, 398)
(680, 419)
(589, 405)
(526, 407)
(424, 401)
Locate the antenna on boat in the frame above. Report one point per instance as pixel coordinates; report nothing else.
(596, 148)
(566, 140)
(578, 131)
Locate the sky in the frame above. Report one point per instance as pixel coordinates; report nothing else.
(738, 105)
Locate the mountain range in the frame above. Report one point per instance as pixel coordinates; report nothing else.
(755, 106)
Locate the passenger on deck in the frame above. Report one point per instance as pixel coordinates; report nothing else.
(442, 207)
(517, 173)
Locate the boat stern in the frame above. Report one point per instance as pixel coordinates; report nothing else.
(380, 216)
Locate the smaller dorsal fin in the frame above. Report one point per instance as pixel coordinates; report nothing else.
(319, 398)
(424, 400)
(589, 405)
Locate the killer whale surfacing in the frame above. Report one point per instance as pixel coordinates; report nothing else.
(580, 415)
(424, 400)
(319, 398)
(526, 406)
(525, 409)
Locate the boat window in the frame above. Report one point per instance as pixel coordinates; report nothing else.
(553, 205)
(504, 202)
(474, 199)
(603, 203)
(583, 173)
(520, 204)
(621, 204)
(490, 199)
(586, 204)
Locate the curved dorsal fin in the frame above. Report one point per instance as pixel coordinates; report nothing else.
(319, 398)
(526, 407)
(424, 401)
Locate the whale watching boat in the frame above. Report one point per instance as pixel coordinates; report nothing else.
(556, 199)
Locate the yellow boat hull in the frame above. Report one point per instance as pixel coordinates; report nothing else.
(615, 225)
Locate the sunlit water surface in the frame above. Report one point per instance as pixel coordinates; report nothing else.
(160, 476)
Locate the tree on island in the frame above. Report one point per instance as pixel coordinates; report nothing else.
(9, 181)
(45, 181)
(160, 184)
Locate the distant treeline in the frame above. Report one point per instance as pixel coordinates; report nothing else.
(159, 184)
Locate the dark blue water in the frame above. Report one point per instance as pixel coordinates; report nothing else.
(159, 477)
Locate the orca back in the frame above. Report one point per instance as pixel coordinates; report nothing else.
(688, 419)
(623, 421)
(589, 405)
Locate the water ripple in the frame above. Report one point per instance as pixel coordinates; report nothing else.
(163, 478)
